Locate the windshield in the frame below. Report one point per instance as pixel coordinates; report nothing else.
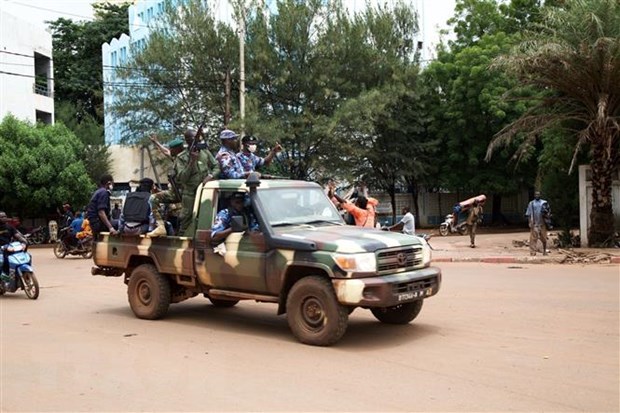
(296, 206)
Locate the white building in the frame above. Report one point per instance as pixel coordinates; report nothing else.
(26, 82)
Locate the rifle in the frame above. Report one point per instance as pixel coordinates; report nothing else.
(172, 180)
(196, 146)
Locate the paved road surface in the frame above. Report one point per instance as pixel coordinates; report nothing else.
(497, 337)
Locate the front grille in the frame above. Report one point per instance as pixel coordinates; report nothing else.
(412, 286)
(400, 258)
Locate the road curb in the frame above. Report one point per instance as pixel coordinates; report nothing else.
(507, 260)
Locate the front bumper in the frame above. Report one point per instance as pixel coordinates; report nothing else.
(388, 290)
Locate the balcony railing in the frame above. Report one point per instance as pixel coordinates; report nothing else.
(42, 90)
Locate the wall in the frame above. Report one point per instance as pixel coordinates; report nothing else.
(585, 201)
(20, 42)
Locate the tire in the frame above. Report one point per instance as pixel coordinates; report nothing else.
(463, 229)
(30, 285)
(398, 314)
(59, 250)
(88, 254)
(443, 230)
(38, 238)
(148, 292)
(314, 314)
(222, 303)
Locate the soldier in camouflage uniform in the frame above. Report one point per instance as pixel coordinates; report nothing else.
(191, 169)
(164, 197)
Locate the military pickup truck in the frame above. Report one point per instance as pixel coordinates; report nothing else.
(304, 259)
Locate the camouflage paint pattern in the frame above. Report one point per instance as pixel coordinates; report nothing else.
(250, 266)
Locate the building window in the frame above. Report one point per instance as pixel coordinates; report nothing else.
(149, 14)
(42, 72)
(123, 55)
(43, 117)
(160, 8)
(113, 59)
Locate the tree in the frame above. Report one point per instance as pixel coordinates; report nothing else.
(77, 57)
(41, 168)
(468, 99)
(309, 61)
(178, 78)
(94, 154)
(574, 60)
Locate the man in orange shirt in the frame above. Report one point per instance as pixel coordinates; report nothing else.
(363, 210)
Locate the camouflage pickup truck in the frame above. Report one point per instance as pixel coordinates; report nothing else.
(304, 259)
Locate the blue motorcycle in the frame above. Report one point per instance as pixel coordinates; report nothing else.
(21, 274)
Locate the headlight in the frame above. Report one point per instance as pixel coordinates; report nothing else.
(356, 262)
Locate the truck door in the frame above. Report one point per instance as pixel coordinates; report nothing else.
(242, 265)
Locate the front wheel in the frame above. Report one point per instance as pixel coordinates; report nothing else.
(148, 292)
(31, 285)
(398, 314)
(443, 230)
(59, 250)
(314, 314)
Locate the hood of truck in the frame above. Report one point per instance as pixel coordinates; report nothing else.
(347, 238)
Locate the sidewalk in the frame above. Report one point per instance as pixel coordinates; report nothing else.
(499, 248)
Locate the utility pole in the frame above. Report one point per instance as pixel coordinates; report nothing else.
(242, 65)
(227, 93)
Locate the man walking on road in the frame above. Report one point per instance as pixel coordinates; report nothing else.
(474, 216)
(538, 211)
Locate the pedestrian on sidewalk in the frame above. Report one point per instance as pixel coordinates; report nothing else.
(538, 213)
(473, 219)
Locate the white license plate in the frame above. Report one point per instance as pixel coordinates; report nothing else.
(415, 294)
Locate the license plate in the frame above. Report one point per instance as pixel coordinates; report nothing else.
(415, 294)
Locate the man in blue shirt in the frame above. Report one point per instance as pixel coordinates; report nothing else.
(538, 213)
(98, 209)
(230, 166)
(222, 225)
(249, 160)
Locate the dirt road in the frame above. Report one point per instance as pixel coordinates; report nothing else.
(535, 338)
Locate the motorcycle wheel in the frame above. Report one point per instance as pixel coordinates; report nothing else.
(38, 238)
(30, 285)
(463, 230)
(88, 253)
(59, 250)
(443, 230)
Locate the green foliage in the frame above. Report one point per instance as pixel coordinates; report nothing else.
(179, 77)
(40, 168)
(77, 57)
(94, 153)
(573, 58)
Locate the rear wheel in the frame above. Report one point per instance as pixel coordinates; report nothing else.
(443, 230)
(88, 249)
(31, 285)
(398, 314)
(463, 229)
(314, 314)
(148, 292)
(59, 250)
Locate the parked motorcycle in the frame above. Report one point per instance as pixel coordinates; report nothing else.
(68, 245)
(449, 227)
(21, 275)
(36, 236)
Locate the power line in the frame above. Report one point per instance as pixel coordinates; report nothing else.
(50, 10)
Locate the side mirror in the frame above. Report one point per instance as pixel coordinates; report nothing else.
(238, 223)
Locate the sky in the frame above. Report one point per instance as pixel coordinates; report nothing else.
(38, 11)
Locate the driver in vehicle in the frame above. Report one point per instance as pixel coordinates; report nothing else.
(239, 204)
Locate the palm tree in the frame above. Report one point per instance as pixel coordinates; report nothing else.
(573, 60)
